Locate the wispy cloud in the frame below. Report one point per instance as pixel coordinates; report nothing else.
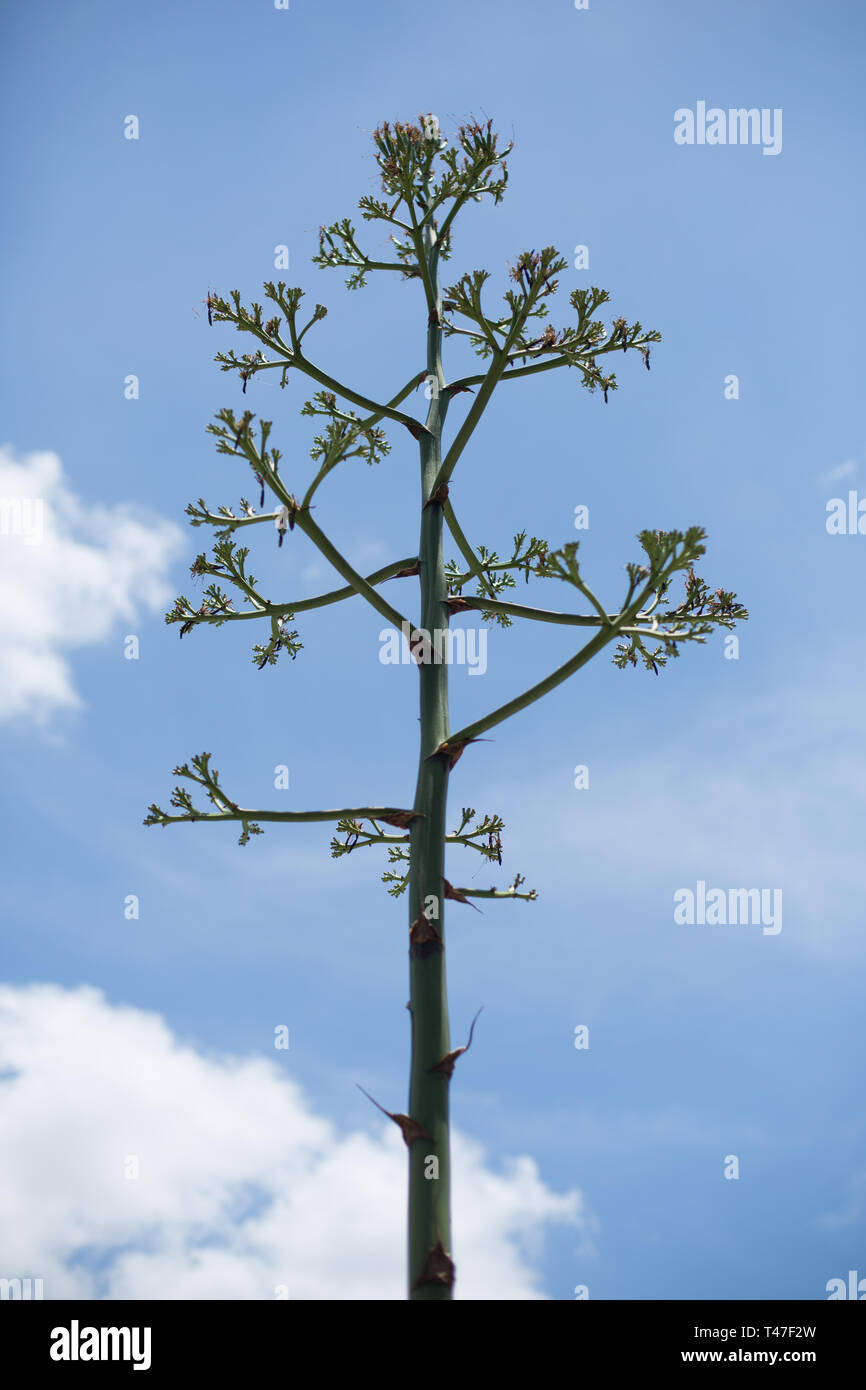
(842, 470)
(771, 795)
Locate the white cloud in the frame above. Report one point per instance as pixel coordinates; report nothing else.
(69, 573)
(242, 1185)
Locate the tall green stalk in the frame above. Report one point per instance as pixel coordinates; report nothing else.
(430, 1272)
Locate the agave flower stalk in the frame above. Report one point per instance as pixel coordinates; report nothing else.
(427, 181)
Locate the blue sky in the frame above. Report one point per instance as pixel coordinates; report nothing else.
(705, 1041)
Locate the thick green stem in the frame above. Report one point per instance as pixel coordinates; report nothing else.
(430, 1275)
